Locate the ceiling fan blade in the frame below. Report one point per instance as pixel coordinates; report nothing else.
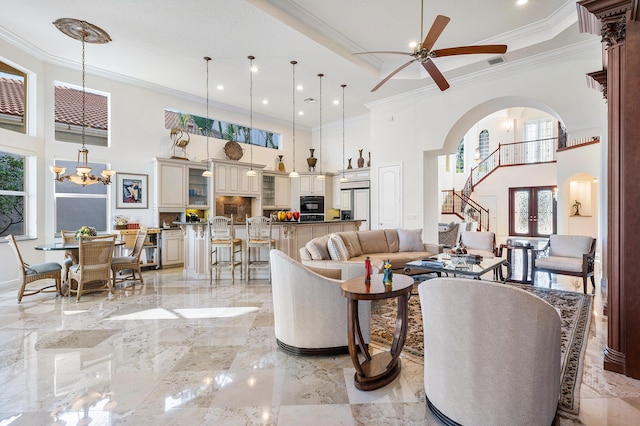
(436, 75)
(396, 71)
(384, 51)
(434, 32)
(466, 50)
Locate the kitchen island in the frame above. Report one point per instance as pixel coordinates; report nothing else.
(289, 236)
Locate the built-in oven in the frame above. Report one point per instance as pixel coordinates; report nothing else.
(311, 208)
(311, 204)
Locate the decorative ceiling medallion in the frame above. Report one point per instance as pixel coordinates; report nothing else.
(82, 30)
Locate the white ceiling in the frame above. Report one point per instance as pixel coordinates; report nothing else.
(163, 42)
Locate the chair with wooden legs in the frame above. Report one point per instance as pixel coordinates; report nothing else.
(31, 273)
(259, 237)
(222, 237)
(130, 262)
(70, 256)
(93, 271)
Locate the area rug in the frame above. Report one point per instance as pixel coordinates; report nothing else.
(575, 313)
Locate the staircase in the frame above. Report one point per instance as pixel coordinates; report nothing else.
(539, 151)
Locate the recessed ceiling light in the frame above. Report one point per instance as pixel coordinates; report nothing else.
(265, 101)
(301, 113)
(521, 2)
(413, 44)
(220, 87)
(299, 87)
(254, 69)
(336, 102)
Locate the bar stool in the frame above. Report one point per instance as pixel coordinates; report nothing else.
(259, 236)
(222, 236)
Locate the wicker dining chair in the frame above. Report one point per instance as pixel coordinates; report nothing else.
(222, 236)
(31, 273)
(130, 262)
(70, 256)
(93, 272)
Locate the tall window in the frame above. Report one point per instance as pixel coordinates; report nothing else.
(539, 129)
(76, 205)
(460, 158)
(483, 144)
(68, 115)
(13, 92)
(13, 194)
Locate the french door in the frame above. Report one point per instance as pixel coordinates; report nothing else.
(532, 211)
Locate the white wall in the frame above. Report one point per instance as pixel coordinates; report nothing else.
(138, 135)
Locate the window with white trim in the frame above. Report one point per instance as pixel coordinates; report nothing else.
(483, 144)
(77, 206)
(14, 186)
(13, 108)
(68, 115)
(460, 157)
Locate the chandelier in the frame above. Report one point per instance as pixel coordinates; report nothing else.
(86, 33)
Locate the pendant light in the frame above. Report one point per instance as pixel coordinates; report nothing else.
(86, 33)
(251, 172)
(343, 178)
(294, 174)
(321, 175)
(208, 172)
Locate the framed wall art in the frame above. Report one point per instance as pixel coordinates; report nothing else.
(131, 191)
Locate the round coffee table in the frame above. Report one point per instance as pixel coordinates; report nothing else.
(380, 369)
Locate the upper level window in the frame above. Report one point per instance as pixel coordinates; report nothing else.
(537, 130)
(13, 92)
(13, 194)
(197, 125)
(460, 158)
(483, 144)
(69, 116)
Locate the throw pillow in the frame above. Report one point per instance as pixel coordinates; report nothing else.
(410, 239)
(351, 242)
(337, 249)
(318, 248)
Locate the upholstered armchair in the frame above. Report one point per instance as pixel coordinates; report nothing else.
(310, 313)
(482, 243)
(491, 353)
(572, 255)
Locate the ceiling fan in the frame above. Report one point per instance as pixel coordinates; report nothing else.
(423, 53)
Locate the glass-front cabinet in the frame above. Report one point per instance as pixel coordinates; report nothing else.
(198, 194)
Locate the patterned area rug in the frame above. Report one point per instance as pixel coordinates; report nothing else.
(575, 313)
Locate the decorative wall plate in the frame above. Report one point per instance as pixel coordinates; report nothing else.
(233, 150)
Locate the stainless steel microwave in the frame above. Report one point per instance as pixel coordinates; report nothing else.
(311, 204)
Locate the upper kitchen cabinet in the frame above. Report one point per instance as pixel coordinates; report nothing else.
(231, 178)
(180, 184)
(276, 190)
(311, 185)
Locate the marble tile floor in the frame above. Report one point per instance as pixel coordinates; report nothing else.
(178, 351)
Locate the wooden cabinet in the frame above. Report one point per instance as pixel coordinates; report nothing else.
(231, 179)
(276, 191)
(361, 207)
(150, 256)
(180, 184)
(172, 248)
(311, 185)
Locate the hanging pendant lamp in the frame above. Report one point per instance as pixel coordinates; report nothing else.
(208, 172)
(343, 178)
(86, 33)
(294, 174)
(321, 175)
(251, 172)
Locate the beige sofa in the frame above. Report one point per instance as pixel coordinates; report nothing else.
(344, 253)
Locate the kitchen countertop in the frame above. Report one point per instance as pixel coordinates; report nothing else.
(276, 222)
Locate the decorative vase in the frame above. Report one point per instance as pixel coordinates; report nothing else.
(311, 161)
(369, 160)
(280, 163)
(360, 159)
(349, 166)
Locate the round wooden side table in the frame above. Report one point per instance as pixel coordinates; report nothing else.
(382, 368)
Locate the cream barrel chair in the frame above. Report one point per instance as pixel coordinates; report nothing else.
(491, 353)
(310, 313)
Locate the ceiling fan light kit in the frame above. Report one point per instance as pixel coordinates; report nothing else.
(424, 54)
